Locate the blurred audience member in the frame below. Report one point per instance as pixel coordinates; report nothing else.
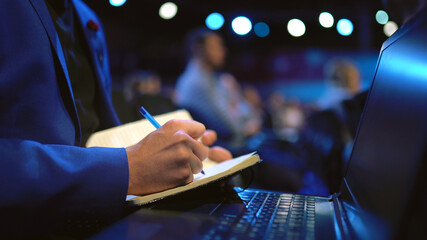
(287, 117)
(253, 97)
(327, 138)
(141, 82)
(343, 82)
(213, 97)
(144, 88)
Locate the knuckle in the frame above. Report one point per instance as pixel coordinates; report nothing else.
(203, 152)
(182, 152)
(173, 121)
(184, 174)
(181, 137)
(171, 124)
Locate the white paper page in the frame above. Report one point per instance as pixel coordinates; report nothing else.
(131, 133)
(216, 169)
(221, 167)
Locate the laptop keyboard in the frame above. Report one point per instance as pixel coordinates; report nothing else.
(268, 216)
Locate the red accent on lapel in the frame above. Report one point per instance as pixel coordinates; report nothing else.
(92, 25)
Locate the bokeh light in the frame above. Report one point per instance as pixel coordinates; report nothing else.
(241, 25)
(214, 21)
(117, 3)
(326, 20)
(381, 17)
(168, 10)
(261, 29)
(389, 28)
(296, 27)
(345, 27)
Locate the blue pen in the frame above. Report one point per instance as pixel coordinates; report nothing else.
(153, 121)
(150, 118)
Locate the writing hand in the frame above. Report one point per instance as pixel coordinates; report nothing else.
(166, 158)
(216, 153)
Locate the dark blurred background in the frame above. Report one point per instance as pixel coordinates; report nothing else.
(138, 38)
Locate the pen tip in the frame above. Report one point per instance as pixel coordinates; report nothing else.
(203, 172)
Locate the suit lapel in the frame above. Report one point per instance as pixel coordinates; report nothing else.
(97, 45)
(44, 15)
(91, 38)
(46, 19)
(94, 39)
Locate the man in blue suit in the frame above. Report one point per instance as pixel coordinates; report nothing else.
(54, 92)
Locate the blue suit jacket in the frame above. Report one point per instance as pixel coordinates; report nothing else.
(46, 181)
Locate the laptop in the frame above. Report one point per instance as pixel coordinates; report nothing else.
(383, 192)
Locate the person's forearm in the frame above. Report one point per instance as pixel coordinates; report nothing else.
(61, 183)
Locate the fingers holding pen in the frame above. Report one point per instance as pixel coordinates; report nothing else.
(191, 150)
(186, 132)
(192, 128)
(166, 158)
(186, 147)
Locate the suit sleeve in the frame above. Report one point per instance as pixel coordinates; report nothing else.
(55, 186)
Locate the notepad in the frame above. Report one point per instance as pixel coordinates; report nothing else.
(131, 133)
(212, 174)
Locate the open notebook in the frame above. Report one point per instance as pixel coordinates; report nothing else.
(131, 133)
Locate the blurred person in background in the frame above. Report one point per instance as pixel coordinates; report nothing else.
(288, 117)
(329, 131)
(253, 97)
(342, 82)
(144, 88)
(217, 99)
(212, 96)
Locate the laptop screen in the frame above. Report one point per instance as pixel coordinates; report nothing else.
(391, 141)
